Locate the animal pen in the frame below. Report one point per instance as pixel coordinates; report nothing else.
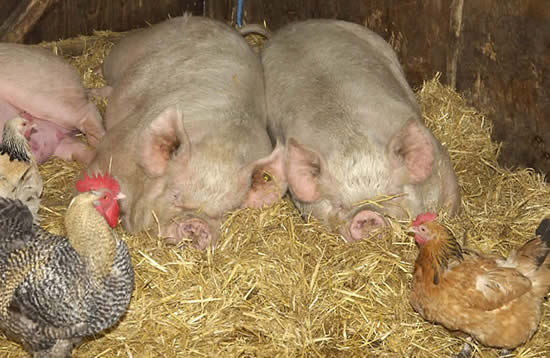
(280, 285)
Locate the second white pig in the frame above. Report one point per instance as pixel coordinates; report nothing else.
(337, 96)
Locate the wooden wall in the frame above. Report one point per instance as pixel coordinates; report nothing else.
(69, 18)
(497, 53)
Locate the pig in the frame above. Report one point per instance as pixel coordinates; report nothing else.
(353, 132)
(187, 129)
(42, 87)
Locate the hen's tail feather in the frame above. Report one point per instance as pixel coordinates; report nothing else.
(541, 275)
(543, 230)
(16, 223)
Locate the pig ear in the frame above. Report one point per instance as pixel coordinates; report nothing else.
(303, 170)
(268, 179)
(412, 148)
(164, 138)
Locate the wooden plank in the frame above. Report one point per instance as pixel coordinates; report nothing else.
(422, 45)
(22, 19)
(7, 7)
(69, 18)
(504, 69)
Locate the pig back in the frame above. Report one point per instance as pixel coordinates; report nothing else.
(340, 70)
(203, 66)
(139, 43)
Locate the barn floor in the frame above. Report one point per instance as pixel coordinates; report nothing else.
(279, 286)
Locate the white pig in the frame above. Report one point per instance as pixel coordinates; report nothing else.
(186, 129)
(47, 91)
(337, 96)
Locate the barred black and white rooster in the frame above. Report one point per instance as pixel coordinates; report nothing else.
(55, 290)
(19, 175)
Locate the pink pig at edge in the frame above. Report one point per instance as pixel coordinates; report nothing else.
(187, 130)
(337, 96)
(42, 87)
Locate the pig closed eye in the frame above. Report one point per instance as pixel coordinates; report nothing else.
(266, 177)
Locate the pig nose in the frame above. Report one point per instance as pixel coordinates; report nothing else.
(365, 222)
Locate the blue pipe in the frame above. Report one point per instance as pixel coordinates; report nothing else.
(239, 13)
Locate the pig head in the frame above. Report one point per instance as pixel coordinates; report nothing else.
(42, 87)
(187, 134)
(357, 150)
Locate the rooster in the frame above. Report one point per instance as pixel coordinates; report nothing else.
(57, 290)
(497, 301)
(19, 175)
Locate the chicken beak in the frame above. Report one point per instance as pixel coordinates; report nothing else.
(412, 230)
(120, 196)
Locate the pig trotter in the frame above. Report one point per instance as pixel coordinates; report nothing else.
(194, 229)
(71, 148)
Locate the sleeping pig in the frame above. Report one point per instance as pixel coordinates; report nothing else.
(337, 96)
(186, 129)
(42, 87)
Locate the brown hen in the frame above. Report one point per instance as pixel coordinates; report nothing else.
(495, 300)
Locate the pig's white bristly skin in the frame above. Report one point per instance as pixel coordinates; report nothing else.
(45, 86)
(187, 128)
(337, 96)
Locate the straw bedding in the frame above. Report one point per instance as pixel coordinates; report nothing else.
(281, 286)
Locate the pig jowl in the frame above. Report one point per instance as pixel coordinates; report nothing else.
(357, 151)
(186, 130)
(42, 87)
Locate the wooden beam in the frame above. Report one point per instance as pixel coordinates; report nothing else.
(23, 19)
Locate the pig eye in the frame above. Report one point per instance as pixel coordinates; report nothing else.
(266, 177)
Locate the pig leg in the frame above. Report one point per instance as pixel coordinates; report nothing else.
(91, 124)
(195, 229)
(71, 148)
(101, 92)
(365, 222)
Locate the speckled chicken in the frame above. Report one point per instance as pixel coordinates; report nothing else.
(55, 290)
(498, 301)
(19, 175)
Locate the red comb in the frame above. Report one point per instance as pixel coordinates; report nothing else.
(422, 218)
(97, 181)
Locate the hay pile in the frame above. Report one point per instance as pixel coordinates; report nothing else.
(277, 285)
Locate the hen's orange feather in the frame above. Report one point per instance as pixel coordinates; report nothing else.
(497, 301)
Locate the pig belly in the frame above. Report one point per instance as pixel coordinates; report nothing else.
(51, 139)
(45, 139)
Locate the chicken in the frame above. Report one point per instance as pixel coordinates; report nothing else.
(497, 301)
(19, 175)
(57, 290)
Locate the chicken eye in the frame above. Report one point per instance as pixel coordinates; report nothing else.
(266, 177)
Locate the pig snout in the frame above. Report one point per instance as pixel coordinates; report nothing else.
(363, 223)
(195, 229)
